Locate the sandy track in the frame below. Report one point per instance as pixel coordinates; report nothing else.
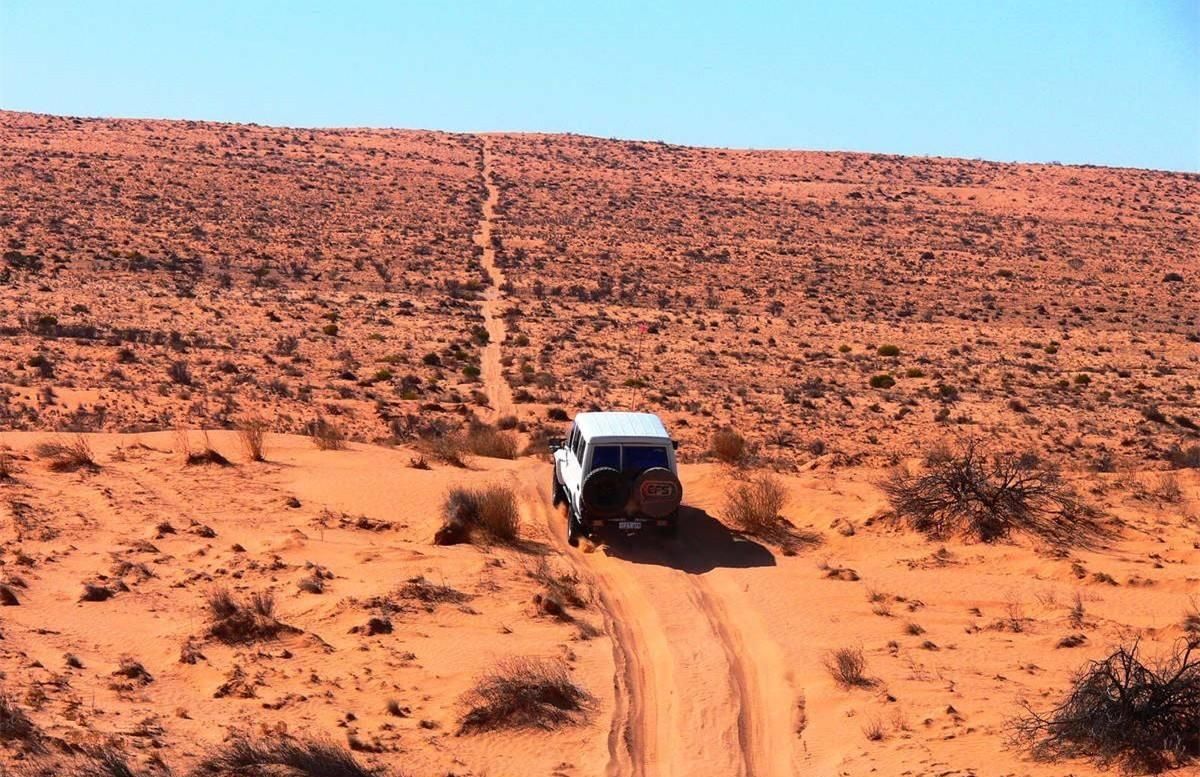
(700, 689)
(496, 388)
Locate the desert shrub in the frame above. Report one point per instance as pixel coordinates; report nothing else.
(237, 622)
(68, 456)
(179, 373)
(88, 762)
(507, 422)
(882, 381)
(326, 436)
(278, 756)
(889, 350)
(562, 586)
(491, 510)
(754, 505)
(1154, 415)
(448, 447)
(525, 693)
(8, 467)
(989, 496)
(728, 446)
(15, 725)
(1121, 711)
(253, 434)
(484, 440)
(557, 414)
(1184, 458)
(848, 667)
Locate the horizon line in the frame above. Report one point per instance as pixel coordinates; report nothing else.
(609, 138)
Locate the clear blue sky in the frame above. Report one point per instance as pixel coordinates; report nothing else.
(1096, 81)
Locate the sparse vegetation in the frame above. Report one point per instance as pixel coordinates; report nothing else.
(236, 622)
(491, 510)
(1122, 711)
(754, 505)
(728, 446)
(484, 440)
(253, 433)
(68, 456)
(988, 496)
(326, 436)
(283, 756)
(525, 693)
(848, 667)
(15, 725)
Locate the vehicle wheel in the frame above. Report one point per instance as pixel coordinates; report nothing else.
(558, 496)
(605, 493)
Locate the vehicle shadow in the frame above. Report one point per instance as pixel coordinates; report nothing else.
(703, 544)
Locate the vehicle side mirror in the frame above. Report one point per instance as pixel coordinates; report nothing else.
(675, 445)
(556, 442)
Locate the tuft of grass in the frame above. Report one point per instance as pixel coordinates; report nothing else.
(236, 622)
(484, 440)
(253, 435)
(728, 446)
(15, 725)
(207, 455)
(848, 667)
(754, 505)
(1184, 458)
(326, 436)
(281, 755)
(491, 510)
(68, 455)
(88, 762)
(525, 693)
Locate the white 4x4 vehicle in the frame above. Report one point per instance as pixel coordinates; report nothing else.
(617, 471)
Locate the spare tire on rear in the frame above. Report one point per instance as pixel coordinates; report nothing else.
(658, 492)
(605, 492)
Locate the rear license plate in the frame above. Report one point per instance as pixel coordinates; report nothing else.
(629, 525)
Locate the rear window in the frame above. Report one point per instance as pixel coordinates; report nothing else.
(629, 458)
(638, 458)
(606, 456)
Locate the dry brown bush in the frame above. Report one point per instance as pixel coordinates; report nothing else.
(237, 622)
(253, 435)
(68, 456)
(280, 756)
(1121, 711)
(988, 496)
(326, 436)
(525, 693)
(728, 446)
(87, 762)
(15, 725)
(754, 505)
(848, 667)
(491, 510)
(483, 440)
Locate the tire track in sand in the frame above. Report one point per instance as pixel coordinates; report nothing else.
(640, 663)
(698, 688)
(498, 392)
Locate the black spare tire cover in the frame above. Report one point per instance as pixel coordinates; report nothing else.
(658, 492)
(605, 492)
